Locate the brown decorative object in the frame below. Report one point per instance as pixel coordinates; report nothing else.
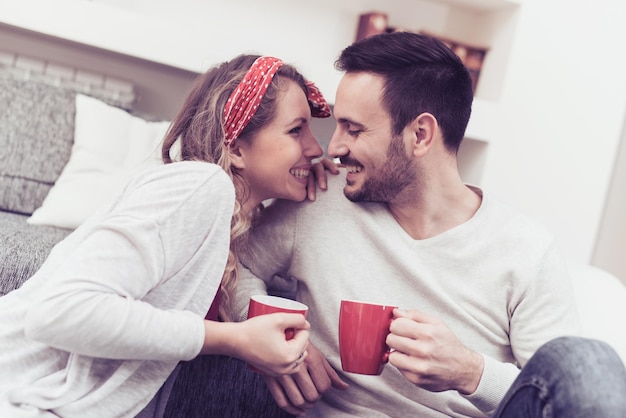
(374, 23)
(472, 56)
(371, 23)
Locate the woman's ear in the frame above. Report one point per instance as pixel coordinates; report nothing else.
(423, 129)
(236, 156)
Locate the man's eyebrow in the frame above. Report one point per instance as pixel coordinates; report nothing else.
(351, 122)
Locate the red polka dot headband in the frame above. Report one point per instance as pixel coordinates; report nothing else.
(245, 99)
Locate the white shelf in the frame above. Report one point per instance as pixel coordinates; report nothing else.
(154, 38)
(107, 27)
(482, 5)
(481, 123)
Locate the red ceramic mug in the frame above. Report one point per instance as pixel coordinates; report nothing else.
(363, 330)
(266, 304)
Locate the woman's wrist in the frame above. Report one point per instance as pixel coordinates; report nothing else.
(220, 338)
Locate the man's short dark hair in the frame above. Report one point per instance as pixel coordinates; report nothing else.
(421, 74)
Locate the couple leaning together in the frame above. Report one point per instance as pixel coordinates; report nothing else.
(487, 324)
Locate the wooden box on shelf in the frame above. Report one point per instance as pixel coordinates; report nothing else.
(471, 55)
(374, 23)
(371, 23)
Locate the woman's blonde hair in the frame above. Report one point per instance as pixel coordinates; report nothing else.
(198, 129)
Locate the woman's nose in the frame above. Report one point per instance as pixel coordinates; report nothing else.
(312, 148)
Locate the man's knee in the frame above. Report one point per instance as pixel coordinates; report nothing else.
(577, 359)
(580, 350)
(587, 377)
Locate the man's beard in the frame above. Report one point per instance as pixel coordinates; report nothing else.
(396, 173)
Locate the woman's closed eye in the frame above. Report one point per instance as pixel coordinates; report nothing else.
(295, 130)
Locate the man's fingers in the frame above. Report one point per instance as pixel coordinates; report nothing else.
(281, 396)
(311, 190)
(335, 380)
(295, 387)
(308, 389)
(414, 315)
(330, 165)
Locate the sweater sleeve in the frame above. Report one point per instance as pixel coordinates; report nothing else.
(545, 310)
(247, 286)
(96, 309)
(96, 298)
(268, 253)
(496, 379)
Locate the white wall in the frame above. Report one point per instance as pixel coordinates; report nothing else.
(554, 81)
(194, 34)
(609, 250)
(563, 103)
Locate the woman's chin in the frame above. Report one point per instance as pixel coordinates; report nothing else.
(298, 190)
(299, 195)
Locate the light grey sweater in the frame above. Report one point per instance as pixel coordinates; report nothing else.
(496, 280)
(117, 304)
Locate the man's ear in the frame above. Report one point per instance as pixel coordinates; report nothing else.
(236, 156)
(423, 130)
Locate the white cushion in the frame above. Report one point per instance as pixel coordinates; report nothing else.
(601, 300)
(110, 145)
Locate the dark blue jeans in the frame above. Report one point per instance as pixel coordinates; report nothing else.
(568, 377)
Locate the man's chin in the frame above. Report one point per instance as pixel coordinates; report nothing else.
(353, 190)
(351, 193)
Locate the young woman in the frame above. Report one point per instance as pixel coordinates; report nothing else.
(99, 328)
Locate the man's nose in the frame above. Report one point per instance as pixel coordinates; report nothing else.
(337, 147)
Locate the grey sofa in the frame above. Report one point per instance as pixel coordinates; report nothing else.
(36, 136)
(36, 132)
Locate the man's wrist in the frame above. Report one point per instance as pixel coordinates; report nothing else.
(471, 380)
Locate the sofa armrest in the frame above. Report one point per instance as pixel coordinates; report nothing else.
(601, 299)
(24, 248)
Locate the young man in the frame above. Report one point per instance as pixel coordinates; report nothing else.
(485, 285)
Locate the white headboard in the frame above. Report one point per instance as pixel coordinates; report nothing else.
(155, 89)
(115, 90)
